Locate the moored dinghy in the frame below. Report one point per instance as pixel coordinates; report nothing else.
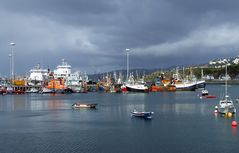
(142, 114)
(205, 94)
(83, 105)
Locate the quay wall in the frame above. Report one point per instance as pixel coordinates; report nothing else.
(24, 88)
(217, 81)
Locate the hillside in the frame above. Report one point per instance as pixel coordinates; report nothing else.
(213, 69)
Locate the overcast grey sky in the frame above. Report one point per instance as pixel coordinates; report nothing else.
(92, 35)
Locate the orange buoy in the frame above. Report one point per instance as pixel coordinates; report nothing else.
(229, 114)
(234, 123)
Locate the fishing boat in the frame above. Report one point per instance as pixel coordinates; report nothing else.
(162, 85)
(184, 85)
(132, 85)
(142, 114)
(136, 88)
(226, 104)
(79, 105)
(200, 84)
(136, 85)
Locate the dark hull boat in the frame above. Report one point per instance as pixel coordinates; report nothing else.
(146, 115)
(136, 88)
(185, 86)
(201, 84)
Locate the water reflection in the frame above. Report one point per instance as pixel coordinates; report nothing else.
(32, 102)
(181, 119)
(234, 132)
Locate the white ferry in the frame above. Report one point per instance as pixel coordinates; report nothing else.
(72, 80)
(37, 76)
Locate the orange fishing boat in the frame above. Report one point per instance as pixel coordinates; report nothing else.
(162, 85)
(156, 88)
(56, 84)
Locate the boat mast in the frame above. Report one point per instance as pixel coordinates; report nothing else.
(127, 53)
(226, 83)
(202, 75)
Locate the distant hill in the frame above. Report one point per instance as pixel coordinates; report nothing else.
(216, 63)
(135, 72)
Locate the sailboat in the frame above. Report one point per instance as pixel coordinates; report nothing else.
(226, 104)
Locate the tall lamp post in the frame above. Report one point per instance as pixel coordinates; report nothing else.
(127, 53)
(12, 63)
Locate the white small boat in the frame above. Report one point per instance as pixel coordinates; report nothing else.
(204, 92)
(46, 90)
(142, 114)
(32, 90)
(79, 105)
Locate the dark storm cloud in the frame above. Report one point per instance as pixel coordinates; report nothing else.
(92, 35)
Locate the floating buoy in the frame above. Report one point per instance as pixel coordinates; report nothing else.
(229, 114)
(234, 123)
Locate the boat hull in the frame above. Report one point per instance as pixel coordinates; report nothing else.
(201, 84)
(185, 87)
(163, 88)
(137, 88)
(227, 110)
(146, 115)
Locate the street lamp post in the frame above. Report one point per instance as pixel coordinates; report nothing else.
(12, 64)
(127, 53)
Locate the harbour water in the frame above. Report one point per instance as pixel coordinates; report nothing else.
(182, 123)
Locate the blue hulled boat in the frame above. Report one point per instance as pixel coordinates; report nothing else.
(142, 114)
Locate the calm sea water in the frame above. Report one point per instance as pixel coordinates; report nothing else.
(182, 123)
